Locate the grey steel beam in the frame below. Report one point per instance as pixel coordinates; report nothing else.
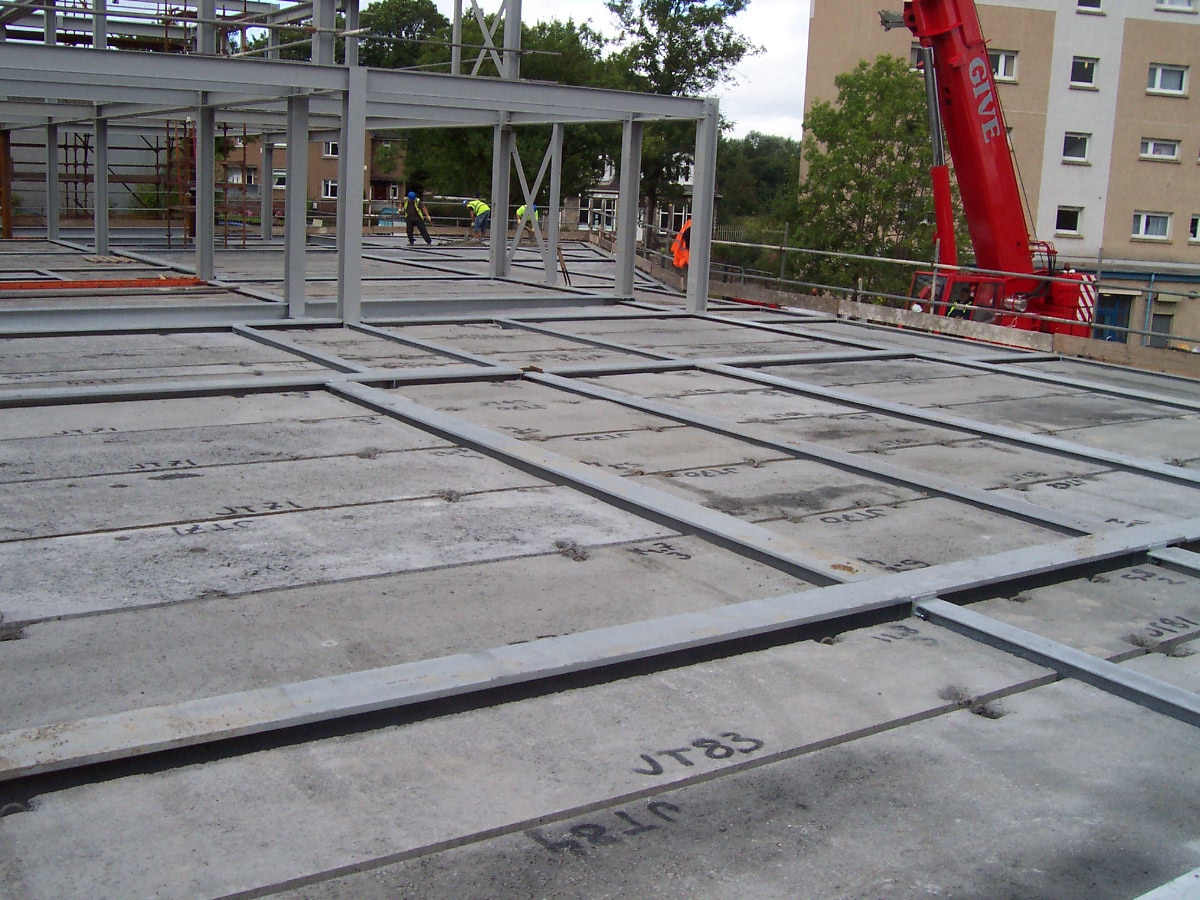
(206, 192)
(141, 732)
(704, 191)
(352, 150)
(312, 355)
(1143, 690)
(957, 423)
(295, 216)
(776, 550)
(100, 188)
(627, 207)
(431, 346)
(1177, 559)
(1043, 516)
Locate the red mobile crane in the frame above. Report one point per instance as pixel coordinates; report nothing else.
(963, 101)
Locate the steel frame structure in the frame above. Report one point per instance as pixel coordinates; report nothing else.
(95, 89)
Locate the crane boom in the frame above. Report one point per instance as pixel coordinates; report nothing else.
(975, 131)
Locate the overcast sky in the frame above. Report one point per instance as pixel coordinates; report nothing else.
(768, 93)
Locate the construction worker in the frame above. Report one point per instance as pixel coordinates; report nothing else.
(681, 247)
(533, 218)
(415, 216)
(481, 217)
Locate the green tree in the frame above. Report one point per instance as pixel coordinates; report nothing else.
(676, 47)
(867, 187)
(398, 30)
(754, 174)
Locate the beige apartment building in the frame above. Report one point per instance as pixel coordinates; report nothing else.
(1103, 108)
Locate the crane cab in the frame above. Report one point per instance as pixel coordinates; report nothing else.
(963, 295)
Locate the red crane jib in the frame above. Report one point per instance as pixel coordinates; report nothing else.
(976, 133)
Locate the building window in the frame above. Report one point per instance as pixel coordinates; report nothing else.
(1153, 148)
(233, 175)
(1165, 79)
(1004, 64)
(1067, 220)
(251, 175)
(1154, 226)
(328, 189)
(329, 149)
(278, 179)
(1194, 229)
(1075, 147)
(1088, 4)
(1083, 71)
(1180, 5)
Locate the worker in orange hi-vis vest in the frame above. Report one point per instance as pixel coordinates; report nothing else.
(681, 247)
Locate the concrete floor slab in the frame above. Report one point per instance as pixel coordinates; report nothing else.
(1118, 498)
(1053, 414)
(990, 464)
(1173, 440)
(788, 489)
(916, 533)
(221, 644)
(44, 578)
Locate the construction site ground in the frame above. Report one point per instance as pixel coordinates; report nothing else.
(520, 590)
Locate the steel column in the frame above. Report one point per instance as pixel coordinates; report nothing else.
(100, 24)
(100, 187)
(512, 40)
(554, 213)
(266, 189)
(206, 189)
(351, 39)
(352, 151)
(630, 190)
(322, 40)
(704, 190)
(206, 32)
(52, 199)
(295, 220)
(503, 141)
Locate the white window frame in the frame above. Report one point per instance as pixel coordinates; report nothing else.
(1085, 85)
(1159, 150)
(1194, 229)
(1154, 80)
(329, 188)
(279, 179)
(329, 149)
(1142, 218)
(1004, 64)
(1070, 232)
(1184, 6)
(1087, 147)
(1089, 6)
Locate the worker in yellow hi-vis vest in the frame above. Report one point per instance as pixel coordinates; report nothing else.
(531, 224)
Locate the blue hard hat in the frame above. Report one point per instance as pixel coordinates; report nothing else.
(412, 195)
(465, 202)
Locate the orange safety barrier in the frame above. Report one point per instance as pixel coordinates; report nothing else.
(187, 281)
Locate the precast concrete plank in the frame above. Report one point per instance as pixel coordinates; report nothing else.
(787, 489)
(1052, 414)
(356, 346)
(1069, 794)
(1109, 614)
(727, 398)
(1115, 376)
(155, 374)
(182, 412)
(671, 449)
(1180, 668)
(880, 372)
(171, 454)
(1119, 498)
(43, 578)
(532, 410)
(862, 432)
(952, 392)
(915, 534)
(59, 506)
(989, 464)
(553, 357)
(224, 644)
(404, 788)
(82, 353)
(1174, 440)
